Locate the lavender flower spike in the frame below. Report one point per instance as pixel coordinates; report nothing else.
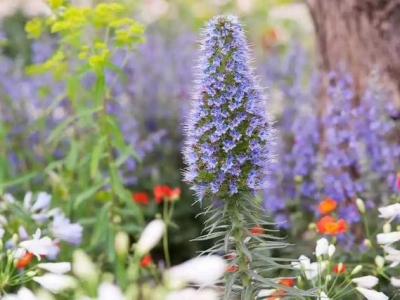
(229, 133)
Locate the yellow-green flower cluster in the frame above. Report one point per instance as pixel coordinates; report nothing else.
(105, 22)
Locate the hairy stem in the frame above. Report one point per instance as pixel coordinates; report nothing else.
(238, 224)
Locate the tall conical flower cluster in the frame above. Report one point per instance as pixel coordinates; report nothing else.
(229, 131)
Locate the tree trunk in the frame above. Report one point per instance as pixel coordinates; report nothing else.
(359, 35)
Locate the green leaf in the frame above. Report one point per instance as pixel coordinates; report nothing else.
(72, 157)
(19, 180)
(57, 133)
(114, 127)
(101, 226)
(117, 70)
(87, 194)
(131, 228)
(97, 154)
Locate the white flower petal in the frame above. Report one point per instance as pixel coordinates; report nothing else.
(108, 291)
(55, 283)
(25, 294)
(56, 268)
(38, 247)
(19, 253)
(192, 294)
(42, 202)
(366, 281)
(395, 281)
(388, 238)
(371, 294)
(323, 296)
(322, 247)
(203, 270)
(28, 200)
(389, 212)
(266, 293)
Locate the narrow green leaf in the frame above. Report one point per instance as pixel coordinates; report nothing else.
(96, 156)
(86, 195)
(101, 226)
(57, 133)
(19, 180)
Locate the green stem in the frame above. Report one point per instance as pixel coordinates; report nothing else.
(166, 218)
(238, 225)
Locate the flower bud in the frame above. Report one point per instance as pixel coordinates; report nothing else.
(387, 228)
(14, 239)
(360, 205)
(83, 267)
(331, 250)
(379, 261)
(367, 243)
(150, 237)
(298, 179)
(312, 226)
(328, 277)
(356, 270)
(31, 273)
(121, 243)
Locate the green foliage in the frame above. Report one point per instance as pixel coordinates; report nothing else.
(86, 181)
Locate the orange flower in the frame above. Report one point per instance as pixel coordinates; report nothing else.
(140, 198)
(257, 230)
(327, 225)
(232, 269)
(340, 268)
(326, 206)
(24, 260)
(287, 282)
(146, 260)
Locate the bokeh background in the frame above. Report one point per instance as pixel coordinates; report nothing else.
(343, 150)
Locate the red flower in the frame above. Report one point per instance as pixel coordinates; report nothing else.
(164, 192)
(327, 225)
(257, 230)
(340, 268)
(24, 260)
(140, 198)
(175, 194)
(230, 256)
(161, 192)
(326, 206)
(146, 260)
(232, 269)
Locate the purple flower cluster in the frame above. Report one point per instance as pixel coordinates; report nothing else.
(360, 155)
(229, 131)
(148, 104)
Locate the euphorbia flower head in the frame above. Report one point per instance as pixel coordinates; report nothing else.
(228, 134)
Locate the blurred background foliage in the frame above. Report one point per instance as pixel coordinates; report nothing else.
(149, 102)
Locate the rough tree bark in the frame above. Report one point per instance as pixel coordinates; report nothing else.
(360, 35)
